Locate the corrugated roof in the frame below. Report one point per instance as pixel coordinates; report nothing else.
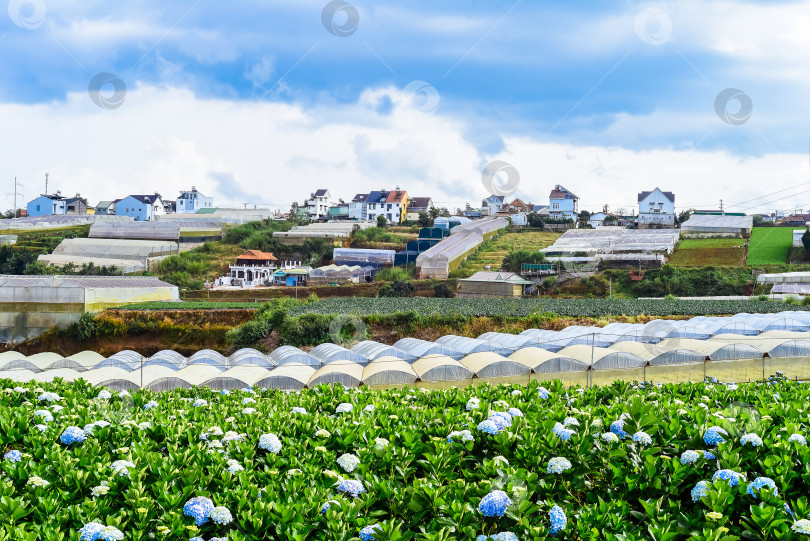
(493, 276)
(82, 281)
(257, 255)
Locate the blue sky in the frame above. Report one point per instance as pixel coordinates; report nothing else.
(607, 98)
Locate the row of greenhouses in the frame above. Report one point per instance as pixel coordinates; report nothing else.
(575, 350)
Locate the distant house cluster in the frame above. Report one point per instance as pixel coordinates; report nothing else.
(140, 207)
(396, 206)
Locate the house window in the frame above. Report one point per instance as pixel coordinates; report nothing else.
(37, 208)
(555, 206)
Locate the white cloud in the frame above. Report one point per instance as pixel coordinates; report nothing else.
(168, 139)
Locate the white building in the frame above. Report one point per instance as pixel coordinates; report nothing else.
(597, 219)
(317, 206)
(191, 201)
(358, 207)
(656, 208)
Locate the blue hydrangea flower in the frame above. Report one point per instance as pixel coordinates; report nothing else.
(730, 476)
(558, 520)
(753, 439)
(700, 491)
(714, 435)
(504, 536)
(481, 538)
(327, 505)
(789, 511)
(199, 509)
(461, 435)
(72, 434)
(642, 438)
(90, 531)
(494, 504)
(558, 464)
(501, 419)
(301, 411)
(563, 433)
(708, 455)
(13, 456)
(150, 405)
(689, 457)
(759, 483)
(617, 427)
(46, 415)
(514, 412)
(488, 427)
(351, 487)
(543, 393)
(367, 533)
(797, 438)
(198, 538)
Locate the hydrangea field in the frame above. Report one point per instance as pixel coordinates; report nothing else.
(705, 461)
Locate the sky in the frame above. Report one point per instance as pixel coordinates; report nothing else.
(263, 102)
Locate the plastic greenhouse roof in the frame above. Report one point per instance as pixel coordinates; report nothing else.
(345, 372)
(441, 368)
(374, 350)
(542, 361)
(389, 371)
(423, 348)
(487, 364)
(328, 353)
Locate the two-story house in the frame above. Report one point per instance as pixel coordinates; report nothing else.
(391, 204)
(656, 208)
(75, 205)
(141, 207)
(492, 205)
(417, 205)
(191, 201)
(317, 206)
(358, 207)
(106, 207)
(563, 204)
(47, 204)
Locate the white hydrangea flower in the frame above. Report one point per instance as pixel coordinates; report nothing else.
(344, 407)
(348, 462)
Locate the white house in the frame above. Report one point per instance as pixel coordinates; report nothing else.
(417, 205)
(492, 205)
(358, 207)
(563, 204)
(656, 208)
(191, 201)
(317, 206)
(597, 219)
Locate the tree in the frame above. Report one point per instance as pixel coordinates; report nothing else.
(434, 213)
(400, 288)
(534, 220)
(293, 216)
(424, 219)
(381, 221)
(442, 291)
(609, 220)
(514, 259)
(806, 241)
(584, 216)
(683, 216)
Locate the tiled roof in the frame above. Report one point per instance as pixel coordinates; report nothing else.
(359, 198)
(643, 195)
(394, 197)
(258, 255)
(419, 202)
(143, 198)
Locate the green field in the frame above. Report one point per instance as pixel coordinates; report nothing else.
(492, 252)
(714, 252)
(770, 245)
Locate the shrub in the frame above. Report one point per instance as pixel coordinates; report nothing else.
(84, 329)
(392, 274)
(400, 288)
(443, 291)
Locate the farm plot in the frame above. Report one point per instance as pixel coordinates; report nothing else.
(492, 252)
(507, 462)
(709, 252)
(770, 245)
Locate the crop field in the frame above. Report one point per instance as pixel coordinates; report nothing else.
(191, 305)
(705, 252)
(769, 245)
(493, 252)
(710, 461)
(527, 307)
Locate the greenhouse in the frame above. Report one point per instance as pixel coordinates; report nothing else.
(389, 371)
(372, 351)
(706, 225)
(290, 377)
(603, 241)
(422, 348)
(488, 364)
(542, 361)
(289, 354)
(441, 368)
(360, 257)
(343, 372)
(328, 353)
(126, 254)
(471, 345)
(150, 230)
(445, 256)
(341, 274)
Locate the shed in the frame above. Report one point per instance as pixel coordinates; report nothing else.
(705, 225)
(493, 284)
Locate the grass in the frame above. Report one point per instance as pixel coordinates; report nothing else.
(493, 251)
(770, 245)
(714, 252)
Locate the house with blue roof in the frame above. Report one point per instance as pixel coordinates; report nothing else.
(143, 208)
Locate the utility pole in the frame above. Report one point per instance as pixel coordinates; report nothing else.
(721, 207)
(46, 183)
(15, 194)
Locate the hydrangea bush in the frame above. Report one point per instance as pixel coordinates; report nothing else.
(502, 463)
